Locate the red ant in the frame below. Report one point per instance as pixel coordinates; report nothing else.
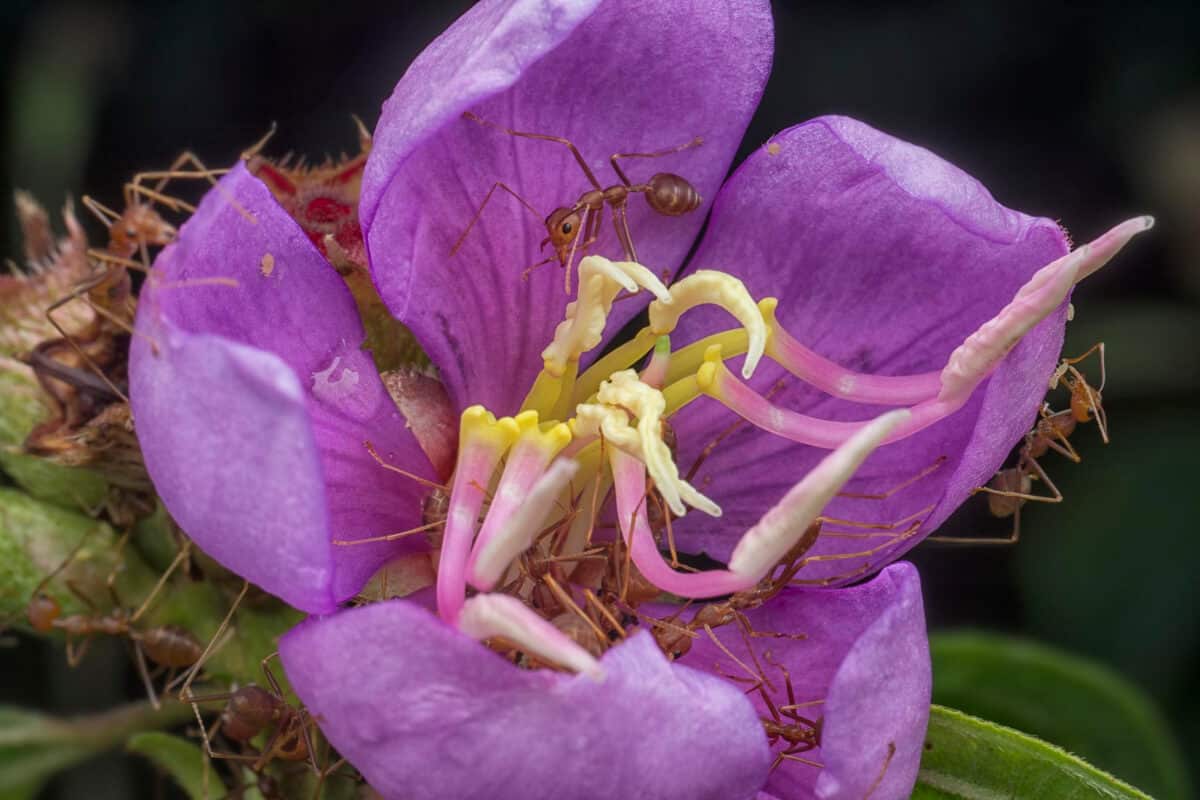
(251, 711)
(109, 293)
(1010, 489)
(665, 192)
(168, 646)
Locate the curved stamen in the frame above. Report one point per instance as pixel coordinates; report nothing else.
(769, 540)
(761, 547)
(487, 615)
(621, 396)
(492, 557)
(835, 379)
(482, 442)
(983, 350)
(709, 287)
(600, 281)
(715, 380)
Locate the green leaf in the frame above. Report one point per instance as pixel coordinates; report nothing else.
(36, 538)
(34, 746)
(1073, 703)
(973, 759)
(182, 760)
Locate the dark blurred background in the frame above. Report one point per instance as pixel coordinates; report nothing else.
(1088, 115)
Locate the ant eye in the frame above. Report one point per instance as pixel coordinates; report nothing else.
(566, 228)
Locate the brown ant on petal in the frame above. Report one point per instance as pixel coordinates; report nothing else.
(575, 228)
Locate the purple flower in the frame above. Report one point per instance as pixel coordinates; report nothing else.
(918, 290)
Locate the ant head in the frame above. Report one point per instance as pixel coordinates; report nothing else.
(42, 611)
(140, 225)
(1085, 400)
(292, 744)
(563, 226)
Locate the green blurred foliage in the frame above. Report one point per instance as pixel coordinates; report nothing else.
(1111, 573)
(34, 746)
(37, 538)
(973, 759)
(1079, 706)
(184, 761)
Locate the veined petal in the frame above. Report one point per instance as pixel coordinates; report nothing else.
(862, 667)
(253, 402)
(884, 259)
(661, 77)
(425, 712)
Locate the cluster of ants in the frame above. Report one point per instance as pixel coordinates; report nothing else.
(83, 375)
(1011, 488)
(258, 725)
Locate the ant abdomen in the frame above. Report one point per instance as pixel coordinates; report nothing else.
(171, 646)
(251, 709)
(672, 195)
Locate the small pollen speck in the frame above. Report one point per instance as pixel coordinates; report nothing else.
(773, 148)
(268, 265)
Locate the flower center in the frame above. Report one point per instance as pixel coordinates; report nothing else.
(522, 519)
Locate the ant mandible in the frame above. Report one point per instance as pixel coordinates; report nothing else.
(666, 193)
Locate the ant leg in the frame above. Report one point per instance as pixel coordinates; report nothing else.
(621, 224)
(186, 690)
(183, 553)
(393, 468)
(544, 137)
(165, 176)
(656, 154)
(479, 212)
(102, 212)
(257, 147)
(937, 464)
(591, 222)
(75, 653)
(1013, 537)
(1055, 496)
(144, 673)
(887, 762)
(893, 540)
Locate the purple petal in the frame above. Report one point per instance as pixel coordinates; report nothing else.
(253, 403)
(867, 657)
(614, 76)
(425, 712)
(884, 258)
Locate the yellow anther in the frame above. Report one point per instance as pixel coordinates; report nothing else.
(550, 437)
(710, 287)
(478, 426)
(600, 281)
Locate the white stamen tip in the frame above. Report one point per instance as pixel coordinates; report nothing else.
(516, 535)
(488, 615)
(781, 527)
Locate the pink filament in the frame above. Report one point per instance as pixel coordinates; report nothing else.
(525, 465)
(813, 431)
(846, 384)
(475, 467)
(630, 479)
